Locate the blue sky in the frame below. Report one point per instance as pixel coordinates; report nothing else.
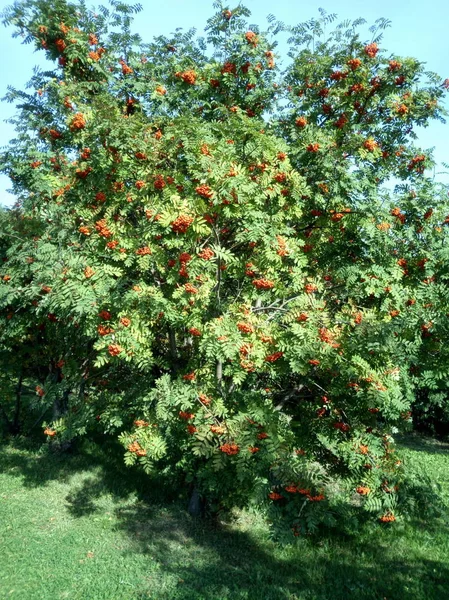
(418, 29)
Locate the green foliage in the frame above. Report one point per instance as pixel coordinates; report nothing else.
(205, 259)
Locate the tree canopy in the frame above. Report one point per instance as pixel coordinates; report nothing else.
(207, 258)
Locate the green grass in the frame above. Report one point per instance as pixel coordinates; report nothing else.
(81, 526)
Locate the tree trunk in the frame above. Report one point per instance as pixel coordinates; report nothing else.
(14, 427)
(196, 504)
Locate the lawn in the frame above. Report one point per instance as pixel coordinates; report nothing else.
(82, 526)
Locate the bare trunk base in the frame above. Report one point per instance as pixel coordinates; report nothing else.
(196, 504)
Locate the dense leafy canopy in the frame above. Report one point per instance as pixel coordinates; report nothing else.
(207, 259)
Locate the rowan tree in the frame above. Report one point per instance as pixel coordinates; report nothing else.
(207, 259)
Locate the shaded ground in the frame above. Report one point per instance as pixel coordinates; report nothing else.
(82, 526)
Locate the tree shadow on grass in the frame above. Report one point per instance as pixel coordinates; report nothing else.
(100, 467)
(37, 465)
(421, 443)
(217, 560)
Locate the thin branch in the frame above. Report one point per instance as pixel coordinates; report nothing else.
(219, 371)
(210, 414)
(39, 419)
(286, 398)
(318, 386)
(173, 349)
